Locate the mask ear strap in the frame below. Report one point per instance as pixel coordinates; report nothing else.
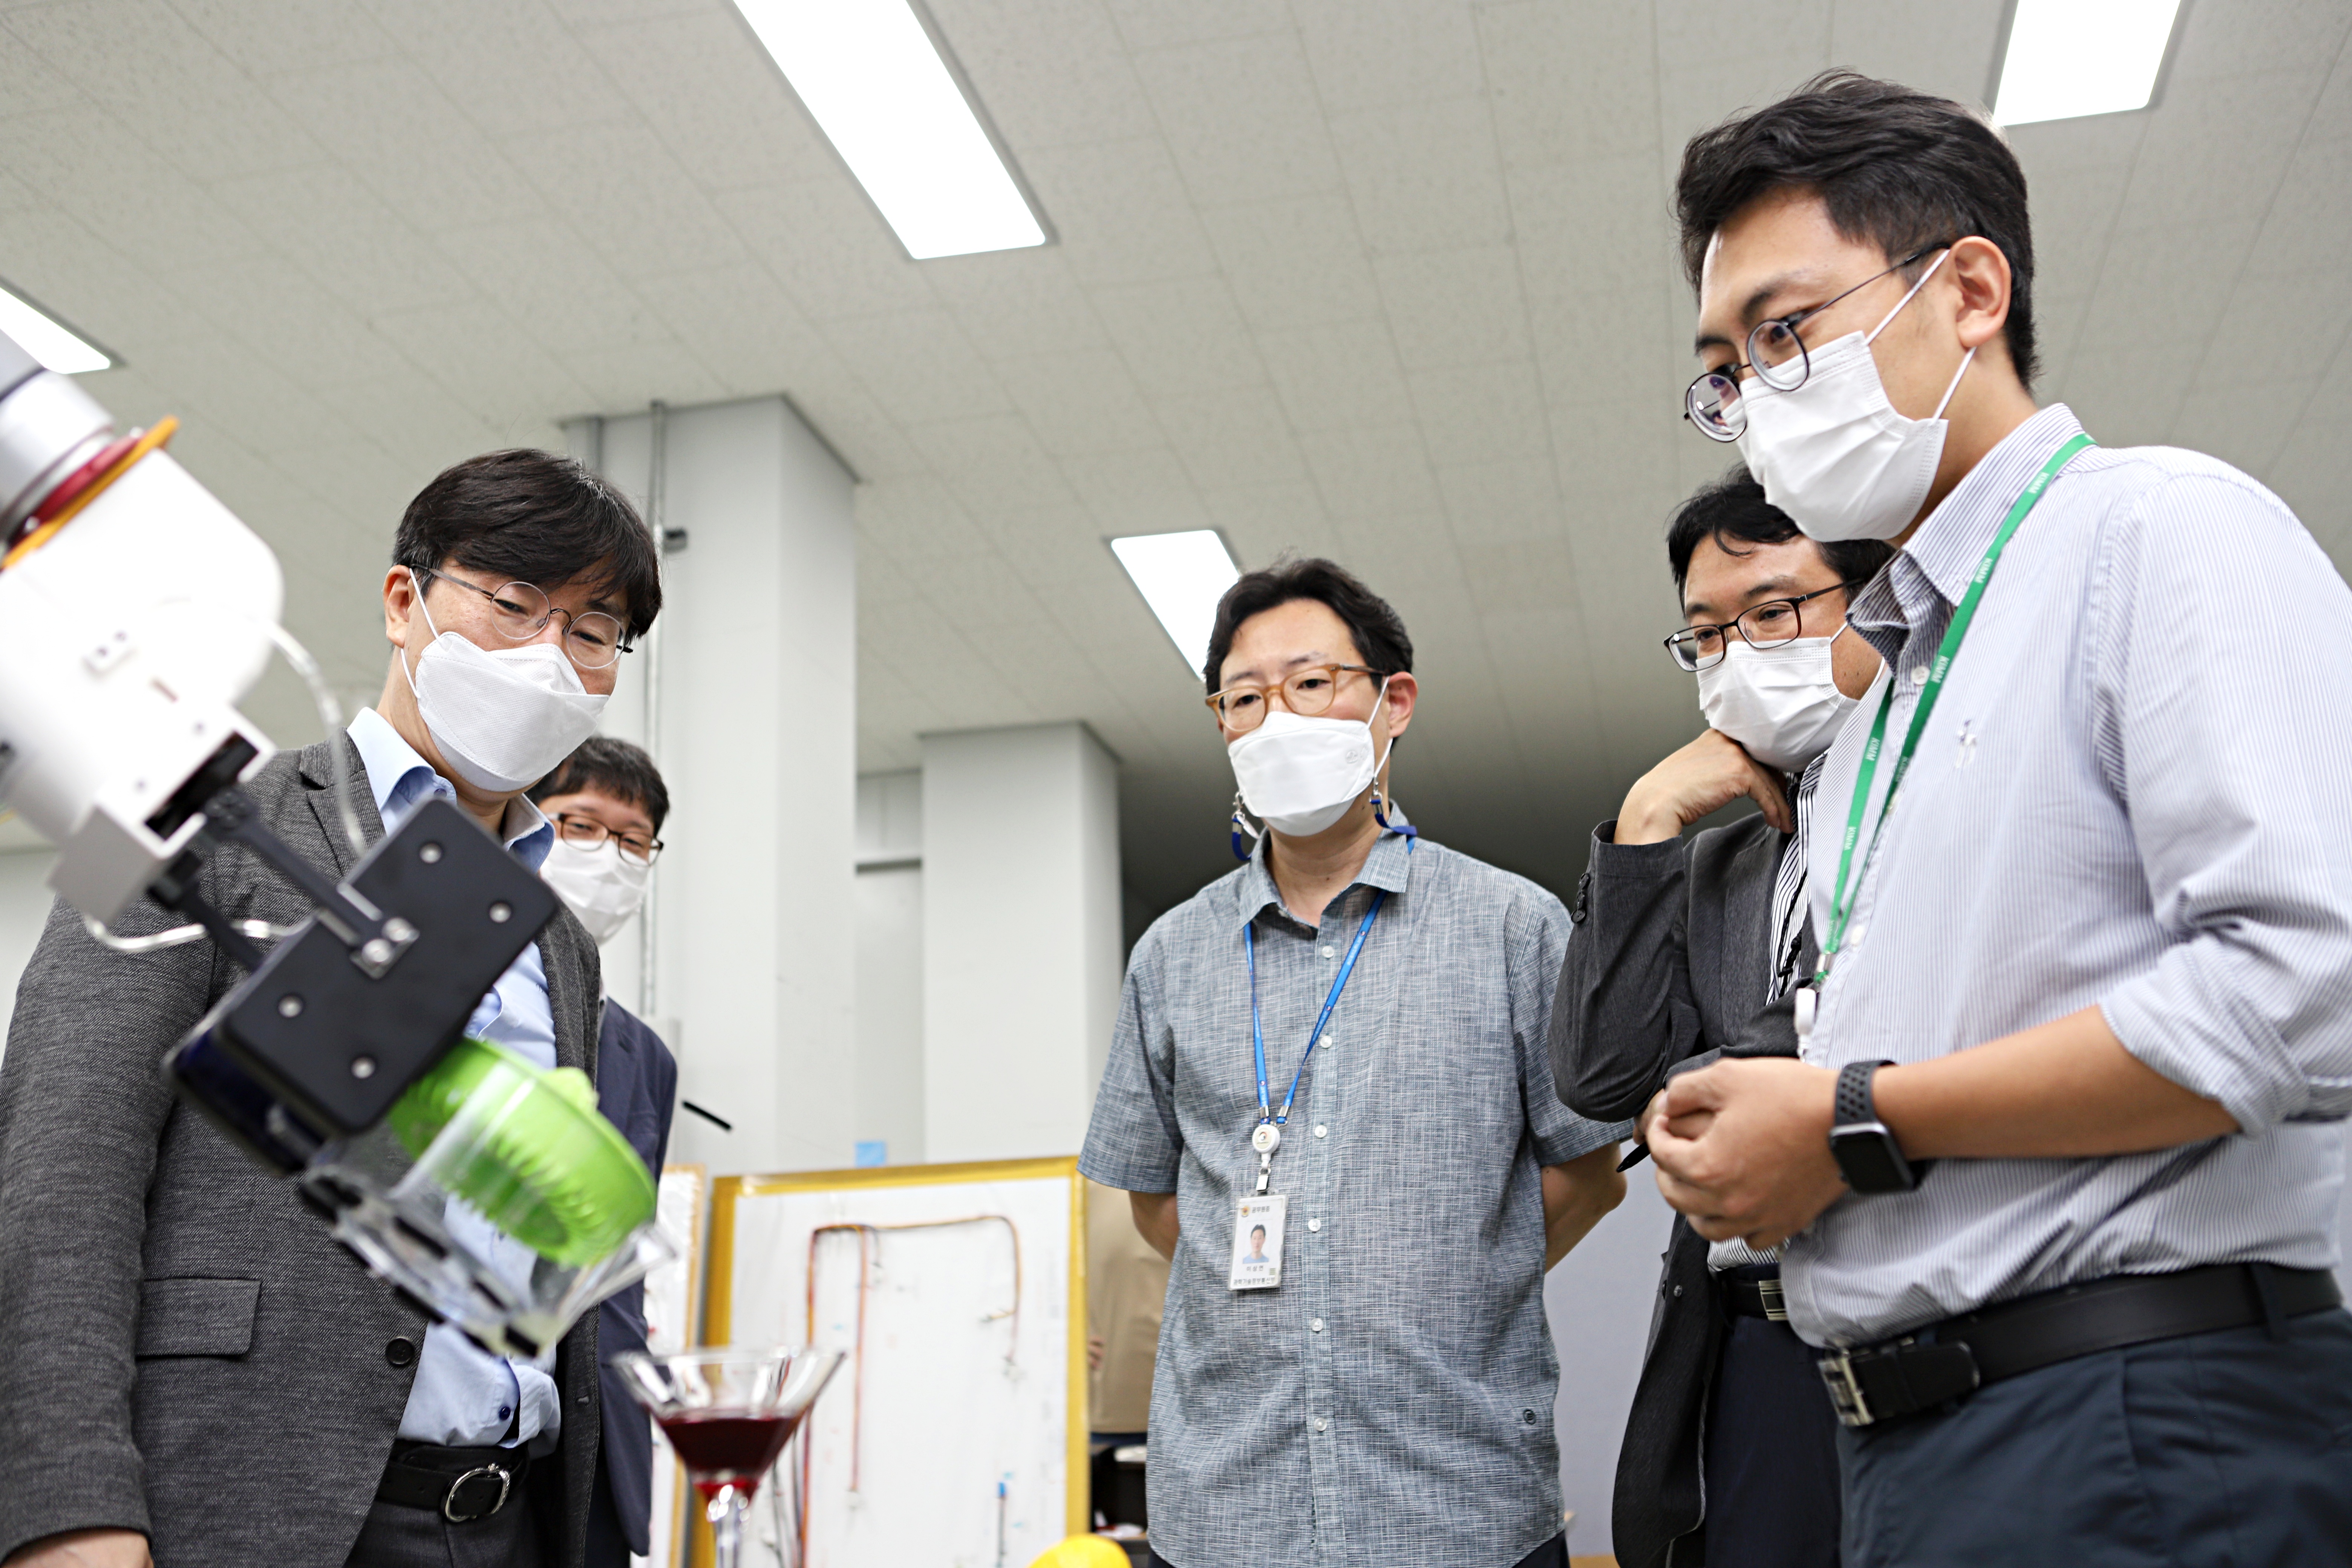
(1241, 825)
(1907, 299)
(1955, 387)
(418, 583)
(1380, 806)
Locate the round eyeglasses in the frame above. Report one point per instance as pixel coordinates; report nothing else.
(519, 611)
(1768, 625)
(1306, 692)
(1775, 353)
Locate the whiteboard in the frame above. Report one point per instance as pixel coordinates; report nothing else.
(672, 1301)
(964, 1356)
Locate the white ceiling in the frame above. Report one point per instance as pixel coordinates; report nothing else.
(1389, 279)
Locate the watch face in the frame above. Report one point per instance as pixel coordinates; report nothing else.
(1870, 1160)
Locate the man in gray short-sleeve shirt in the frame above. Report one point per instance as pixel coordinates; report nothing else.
(1389, 1401)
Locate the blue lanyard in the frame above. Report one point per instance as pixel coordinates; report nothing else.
(1266, 1111)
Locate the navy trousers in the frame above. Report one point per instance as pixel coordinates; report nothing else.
(1771, 1471)
(2222, 1450)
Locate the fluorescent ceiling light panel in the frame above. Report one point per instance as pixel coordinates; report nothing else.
(1182, 577)
(875, 82)
(2071, 57)
(52, 344)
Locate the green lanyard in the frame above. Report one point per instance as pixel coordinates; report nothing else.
(1844, 906)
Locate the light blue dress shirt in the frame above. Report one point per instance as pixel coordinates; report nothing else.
(464, 1396)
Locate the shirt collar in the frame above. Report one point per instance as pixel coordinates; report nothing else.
(400, 778)
(1387, 868)
(1809, 778)
(1953, 539)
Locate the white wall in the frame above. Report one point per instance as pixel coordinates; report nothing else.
(1021, 938)
(25, 900)
(757, 742)
(888, 1099)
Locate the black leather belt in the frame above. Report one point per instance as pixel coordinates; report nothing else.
(1953, 1359)
(463, 1484)
(1752, 1290)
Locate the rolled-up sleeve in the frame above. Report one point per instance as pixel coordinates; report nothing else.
(1535, 932)
(2224, 720)
(1133, 1141)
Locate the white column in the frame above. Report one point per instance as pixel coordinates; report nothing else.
(756, 738)
(888, 1101)
(1021, 938)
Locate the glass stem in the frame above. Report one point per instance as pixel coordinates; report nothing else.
(726, 1515)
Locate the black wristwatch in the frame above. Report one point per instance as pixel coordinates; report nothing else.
(1866, 1153)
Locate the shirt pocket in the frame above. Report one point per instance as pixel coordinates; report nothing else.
(196, 1316)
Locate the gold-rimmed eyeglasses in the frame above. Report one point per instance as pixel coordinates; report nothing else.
(520, 610)
(587, 833)
(1307, 692)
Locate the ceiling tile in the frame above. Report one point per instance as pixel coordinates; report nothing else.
(1239, 436)
(1337, 376)
(1366, 471)
(1120, 211)
(1154, 24)
(1479, 413)
(1454, 307)
(1080, 402)
(714, 97)
(1049, 73)
(1370, 53)
(1018, 301)
(1424, 176)
(1295, 263)
(917, 364)
(1182, 335)
(1241, 117)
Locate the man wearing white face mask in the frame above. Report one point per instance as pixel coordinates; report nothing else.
(1728, 1458)
(608, 803)
(2085, 921)
(237, 1389)
(1337, 1052)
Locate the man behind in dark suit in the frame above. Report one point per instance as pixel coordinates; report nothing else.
(1729, 1459)
(608, 803)
(189, 1363)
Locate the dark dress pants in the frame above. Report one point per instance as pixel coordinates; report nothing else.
(397, 1536)
(1553, 1554)
(2222, 1450)
(1771, 1465)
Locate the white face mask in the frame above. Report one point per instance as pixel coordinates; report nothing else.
(603, 886)
(502, 717)
(1300, 775)
(1834, 454)
(1781, 704)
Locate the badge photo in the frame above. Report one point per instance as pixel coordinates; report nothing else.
(1257, 1243)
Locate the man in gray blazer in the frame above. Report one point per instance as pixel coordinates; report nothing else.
(190, 1366)
(1730, 1454)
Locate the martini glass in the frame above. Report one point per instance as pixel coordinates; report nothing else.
(729, 1411)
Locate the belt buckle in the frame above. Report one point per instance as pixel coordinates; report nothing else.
(1776, 1305)
(1846, 1389)
(449, 1502)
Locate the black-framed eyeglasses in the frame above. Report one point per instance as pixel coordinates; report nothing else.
(1768, 625)
(521, 611)
(587, 833)
(1775, 353)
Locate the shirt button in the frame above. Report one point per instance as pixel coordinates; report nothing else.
(1918, 675)
(1315, 1224)
(1322, 1424)
(1315, 1325)
(401, 1352)
(1321, 1130)
(1330, 952)
(505, 1413)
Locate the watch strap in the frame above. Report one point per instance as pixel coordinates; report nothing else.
(1855, 1107)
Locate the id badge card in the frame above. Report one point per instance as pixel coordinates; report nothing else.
(1257, 1243)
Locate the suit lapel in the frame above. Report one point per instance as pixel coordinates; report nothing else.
(316, 769)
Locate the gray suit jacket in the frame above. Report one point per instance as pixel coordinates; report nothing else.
(183, 1348)
(1667, 964)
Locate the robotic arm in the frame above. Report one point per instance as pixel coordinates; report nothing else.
(135, 610)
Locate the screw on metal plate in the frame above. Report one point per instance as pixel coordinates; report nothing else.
(430, 854)
(501, 912)
(362, 1067)
(290, 1005)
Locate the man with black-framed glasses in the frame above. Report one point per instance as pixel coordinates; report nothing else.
(2058, 1164)
(1730, 1456)
(608, 803)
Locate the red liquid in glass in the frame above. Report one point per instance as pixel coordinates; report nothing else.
(729, 1447)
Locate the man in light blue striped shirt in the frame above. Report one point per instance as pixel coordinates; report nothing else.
(2058, 1169)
